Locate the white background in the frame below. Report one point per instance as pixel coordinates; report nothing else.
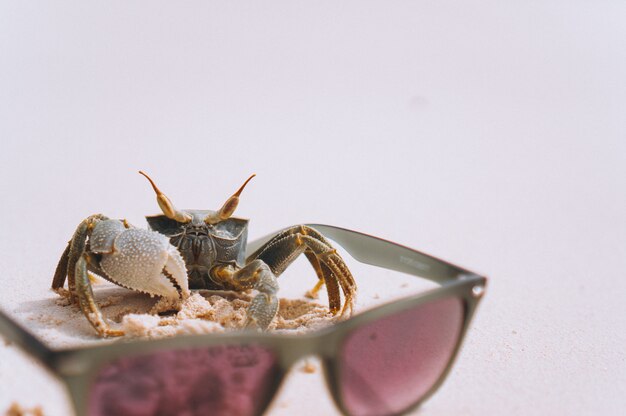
(492, 134)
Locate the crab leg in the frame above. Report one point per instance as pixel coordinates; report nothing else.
(255, 275)
(315, 263)
(286, 246)
(74, 250)
(325, 276)
(60, 274)
(87, 302)
(74, 266)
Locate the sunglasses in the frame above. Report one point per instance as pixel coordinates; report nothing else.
(384, 361)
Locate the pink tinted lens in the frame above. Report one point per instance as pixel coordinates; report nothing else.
(389, 364)
(221, 380)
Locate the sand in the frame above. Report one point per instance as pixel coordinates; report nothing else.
(204, 313)
(16, 410)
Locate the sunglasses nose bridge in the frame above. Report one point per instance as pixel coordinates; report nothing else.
(305, 346)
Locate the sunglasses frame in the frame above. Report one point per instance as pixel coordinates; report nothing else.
(77, 368)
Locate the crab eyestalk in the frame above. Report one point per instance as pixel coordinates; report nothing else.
(229, 206)
(166, 205)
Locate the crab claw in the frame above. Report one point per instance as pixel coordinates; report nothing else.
(145, 261)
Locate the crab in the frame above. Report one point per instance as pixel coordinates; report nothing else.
(195, 249)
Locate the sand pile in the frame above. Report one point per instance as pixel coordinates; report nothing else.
(17, 410)
(206, 312)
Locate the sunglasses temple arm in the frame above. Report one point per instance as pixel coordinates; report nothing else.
(15, 334)
(382, 253)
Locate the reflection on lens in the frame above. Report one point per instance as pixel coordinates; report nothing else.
(220, 380)
(389, 364)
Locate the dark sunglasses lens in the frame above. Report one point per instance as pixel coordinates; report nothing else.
(389, 364)
(221, 380)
